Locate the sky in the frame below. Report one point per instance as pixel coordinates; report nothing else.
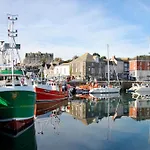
(74, 27)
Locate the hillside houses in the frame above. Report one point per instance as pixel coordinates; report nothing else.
(90, 67)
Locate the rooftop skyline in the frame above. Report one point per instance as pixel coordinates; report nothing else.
(67, 28)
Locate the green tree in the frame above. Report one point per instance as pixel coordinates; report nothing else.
(75, 57)
(103, 57)
(58, 59)
(96, 54)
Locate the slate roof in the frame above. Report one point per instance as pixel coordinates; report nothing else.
(85, 57)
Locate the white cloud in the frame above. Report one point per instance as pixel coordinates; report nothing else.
(71, 28)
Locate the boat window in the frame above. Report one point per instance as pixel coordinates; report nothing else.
(1, 78)
(9, 84)
(17, 78)
(9, 79)
(18, 84)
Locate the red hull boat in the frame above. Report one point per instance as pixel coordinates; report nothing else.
(49, 95)
(50, 92)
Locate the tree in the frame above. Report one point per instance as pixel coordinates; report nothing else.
(75, 57)
(58, 59)
(103, 57)
(67, 61)
(96, 54)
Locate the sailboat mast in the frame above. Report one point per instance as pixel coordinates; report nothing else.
(108, 64)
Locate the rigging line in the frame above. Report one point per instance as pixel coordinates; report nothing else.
(116, 72)
(17, 50)
(117, 105)
(18, 55)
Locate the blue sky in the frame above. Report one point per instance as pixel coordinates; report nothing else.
(74, 27)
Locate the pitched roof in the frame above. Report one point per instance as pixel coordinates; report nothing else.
(85, 57)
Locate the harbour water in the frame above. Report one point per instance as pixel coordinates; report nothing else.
(87, 123)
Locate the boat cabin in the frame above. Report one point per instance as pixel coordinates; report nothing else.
(7, 79)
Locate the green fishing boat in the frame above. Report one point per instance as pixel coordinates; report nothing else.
(17, 98)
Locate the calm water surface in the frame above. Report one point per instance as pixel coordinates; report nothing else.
(119, 123)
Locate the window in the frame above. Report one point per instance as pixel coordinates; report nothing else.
(57, 70)
(93, 70)
(99, 70)
(64, 70)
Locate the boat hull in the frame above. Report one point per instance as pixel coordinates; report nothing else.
(106, 90)
(143, 89)
(16, 107)
(49, 95)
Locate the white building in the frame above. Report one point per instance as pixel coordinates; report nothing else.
(62, 70)
(116, 68)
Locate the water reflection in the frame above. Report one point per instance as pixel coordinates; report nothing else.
(24, 140)
(88, 122)
(140, 108)
(91, 122)
(90, 110)
(49, 119)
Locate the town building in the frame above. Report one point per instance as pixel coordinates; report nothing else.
(36, 59)
(49, 70)
(88, 67)
(34, 62)
(119, 67)
(62, 70)
(139, 68)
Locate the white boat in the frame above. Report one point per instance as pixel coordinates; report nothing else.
(133, 87)
(107, 89)
(136, 87)
(141, 96)
(144, 87)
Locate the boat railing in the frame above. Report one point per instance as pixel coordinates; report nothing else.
(9, 82)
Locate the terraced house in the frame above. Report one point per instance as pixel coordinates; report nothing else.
(88, 66)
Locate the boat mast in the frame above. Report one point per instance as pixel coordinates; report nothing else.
(12, 34)
(108, 64)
